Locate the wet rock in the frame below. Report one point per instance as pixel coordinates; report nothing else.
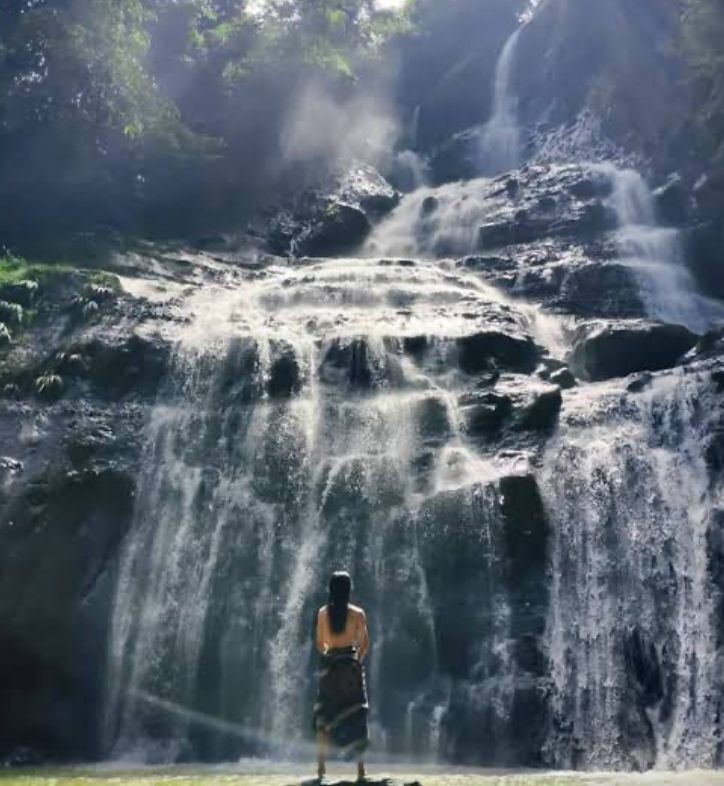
(485, 414)
(64, 529)
(125, 365)
(364, 187)
(429, 205)
(481, 351)
(542, 413)
(433, 419)
(341, 230)
(592, 186)
(609, 350)
(563, 378)
(5, 336)
(490, 264)
(704, 244)
(715, 559)
(714, 447)
(333, 217)
(512, 187)
(643, 667)
(415, 345)
(349, 363)
(600, 289)
(285, 376)
(717, 377)
(673, 203)
(639, 383)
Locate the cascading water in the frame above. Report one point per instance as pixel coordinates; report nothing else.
(656, 256)
(631, 636)
(313, 422)
(500, 140)
(345, 413)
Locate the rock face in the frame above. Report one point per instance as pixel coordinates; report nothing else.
(334, 217)
(71, 423)
(619, 349)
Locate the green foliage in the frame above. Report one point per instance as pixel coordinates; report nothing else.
(16, 271)
(703, 46)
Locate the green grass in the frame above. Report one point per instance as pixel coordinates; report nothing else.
(13, 270)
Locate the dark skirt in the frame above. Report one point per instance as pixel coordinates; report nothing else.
(341, 707)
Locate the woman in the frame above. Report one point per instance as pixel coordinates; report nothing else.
(340, 713)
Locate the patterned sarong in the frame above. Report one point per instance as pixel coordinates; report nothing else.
(341, 707)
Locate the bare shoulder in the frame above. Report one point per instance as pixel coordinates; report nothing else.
(322, 611)
(356, 611)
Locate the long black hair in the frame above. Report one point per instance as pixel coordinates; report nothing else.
(340, 588)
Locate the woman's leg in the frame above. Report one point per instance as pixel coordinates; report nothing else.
(321, 753)
(361, 771)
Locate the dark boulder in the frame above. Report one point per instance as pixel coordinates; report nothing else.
(541, 413)
(617, 349)
(364, 187)
(563, 378)
(485, 414)
(350, 363)
(285, 378)
(496, 348)
(341, 229)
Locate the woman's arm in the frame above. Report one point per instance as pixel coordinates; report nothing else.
(364, 637)
(320, 633)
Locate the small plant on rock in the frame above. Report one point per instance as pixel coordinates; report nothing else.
(11, 313)
(49, 387)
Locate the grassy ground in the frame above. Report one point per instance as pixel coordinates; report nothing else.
(182, 777)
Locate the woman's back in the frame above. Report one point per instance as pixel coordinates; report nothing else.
(354, 633)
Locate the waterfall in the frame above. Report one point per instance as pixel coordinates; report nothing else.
(655, 254)
(311, 422)
(631, 632)
(500, 141)
(530, 601)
